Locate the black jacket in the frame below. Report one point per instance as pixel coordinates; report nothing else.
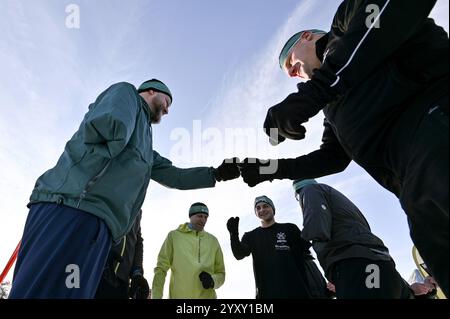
(279, 255)
(126, 257)
(375, 85)
(337, 228)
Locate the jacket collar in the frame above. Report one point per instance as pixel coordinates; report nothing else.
(184, 228)
(321, 45)
(146, 108)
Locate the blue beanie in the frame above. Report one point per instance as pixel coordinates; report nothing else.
(287, 48)
(300, 183)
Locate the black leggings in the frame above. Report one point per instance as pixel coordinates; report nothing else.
(112, 288)
(425, 192)
(360, 278)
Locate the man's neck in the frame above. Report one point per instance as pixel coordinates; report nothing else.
(265, 224)
(192, 227)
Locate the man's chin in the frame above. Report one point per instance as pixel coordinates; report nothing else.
(156, 120)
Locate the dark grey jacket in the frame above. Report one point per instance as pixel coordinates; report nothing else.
(125, 257)
(337, 228)
(130, 253)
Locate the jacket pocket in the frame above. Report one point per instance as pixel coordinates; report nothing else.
(64, 167)
(93, 181)
(99, 230)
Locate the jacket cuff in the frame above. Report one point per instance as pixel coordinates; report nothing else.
(137, 271)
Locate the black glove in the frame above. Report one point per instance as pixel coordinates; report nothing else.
(233, 225)
(139, 288)
(295, 110)
(255, 171)
(227, 170)
(206, 279)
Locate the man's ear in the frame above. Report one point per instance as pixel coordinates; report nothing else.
(308, 35)
(151, 92)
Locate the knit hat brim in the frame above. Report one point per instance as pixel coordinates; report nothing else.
(155, 85)
(198, 209)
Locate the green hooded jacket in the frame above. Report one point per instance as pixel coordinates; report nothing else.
(187, 253)
(107, 165)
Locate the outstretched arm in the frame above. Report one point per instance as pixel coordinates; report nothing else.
(171, 176)
(331, 158)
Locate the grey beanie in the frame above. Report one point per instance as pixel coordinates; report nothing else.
(198, 208)
(264, 199)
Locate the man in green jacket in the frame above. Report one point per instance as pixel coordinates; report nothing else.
(195, 258)
(95, 191)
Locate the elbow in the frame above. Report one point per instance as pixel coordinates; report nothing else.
(238, 255)
(338, 164)
(342, 163)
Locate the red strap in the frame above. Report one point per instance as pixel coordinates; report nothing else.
(10, 263)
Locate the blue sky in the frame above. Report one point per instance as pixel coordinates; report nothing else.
(219, 59)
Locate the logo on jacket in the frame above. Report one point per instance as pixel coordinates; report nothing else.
(281, 242)
(281, 237)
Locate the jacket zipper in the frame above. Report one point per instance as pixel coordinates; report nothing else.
(121, 253)
(92, 183)
(198, 248)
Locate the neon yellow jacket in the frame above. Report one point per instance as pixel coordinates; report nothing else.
(187, 253)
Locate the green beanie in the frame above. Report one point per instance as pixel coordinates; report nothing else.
(291, 43)
(198, 208)
(264, 199)
(300, 183)
(155, 85)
